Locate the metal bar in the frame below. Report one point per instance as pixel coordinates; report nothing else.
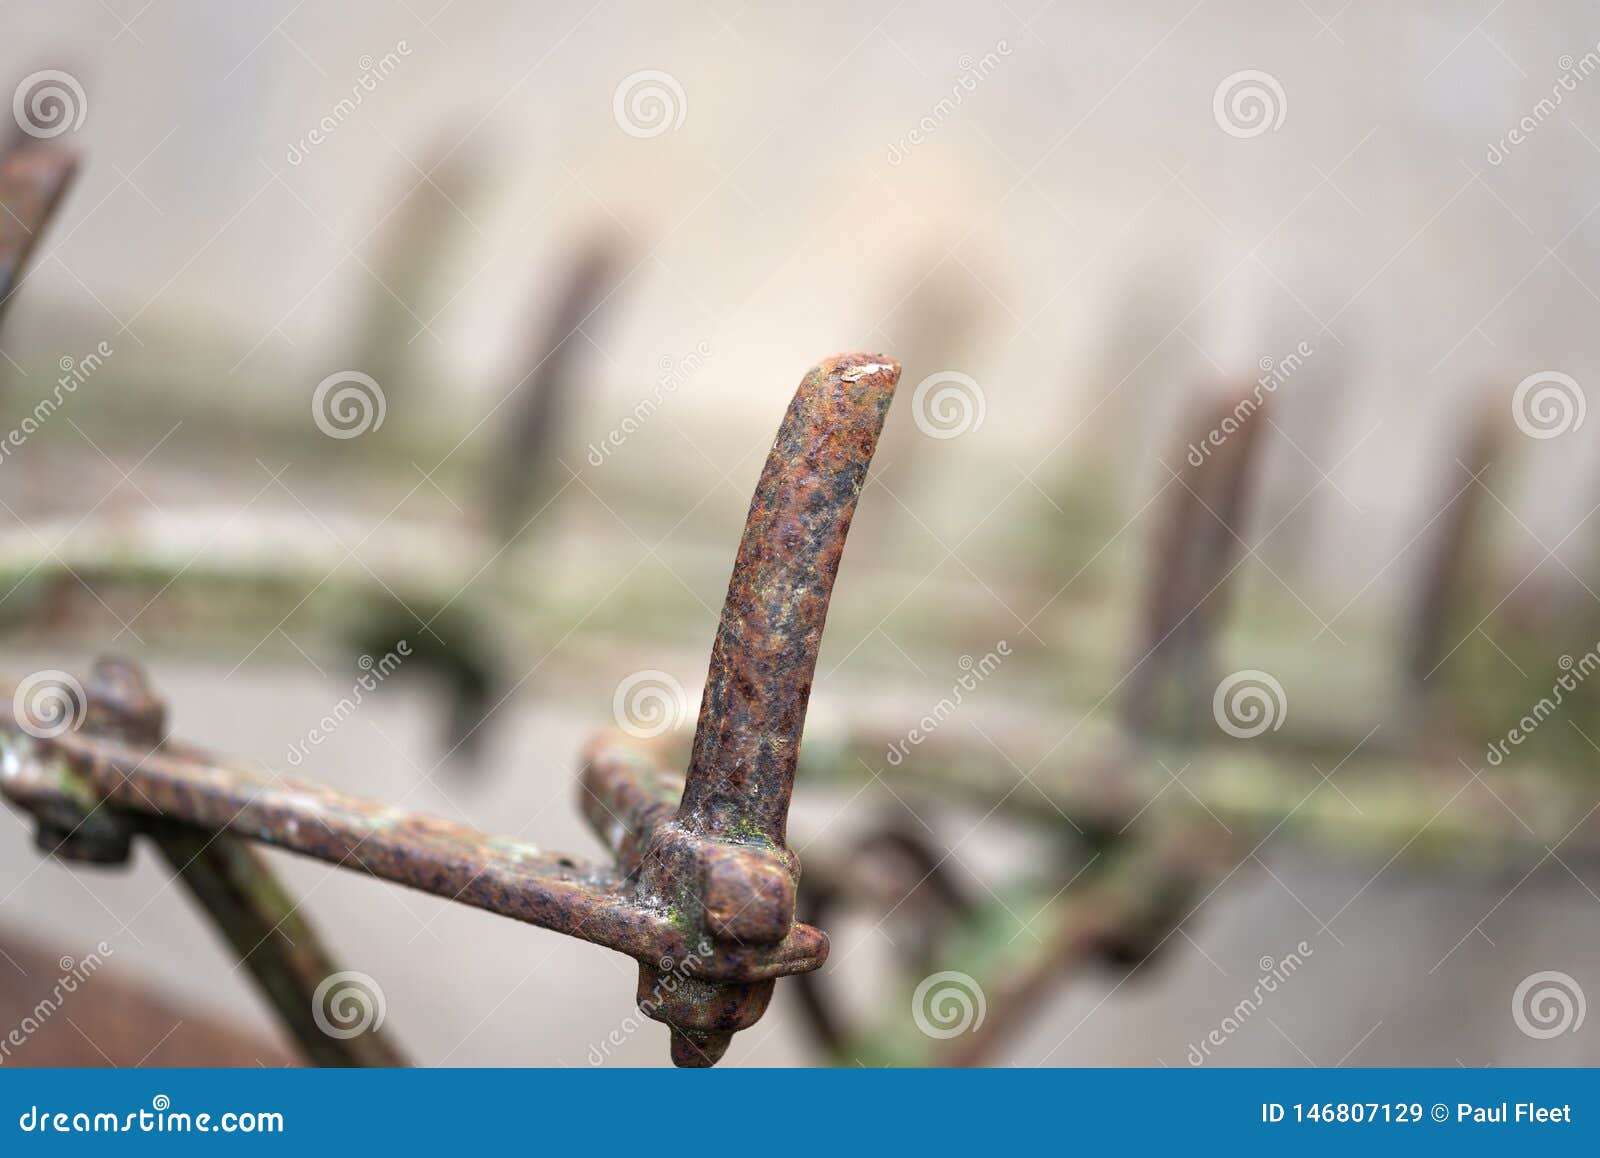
(741, 771)
(180, 784)
(273, 939)
(719, 864)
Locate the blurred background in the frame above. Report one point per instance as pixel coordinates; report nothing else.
(1232, 523)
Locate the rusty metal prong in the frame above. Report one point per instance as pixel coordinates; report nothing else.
(33, 178)
(741, 770)
(1193, 553)
(720, 865)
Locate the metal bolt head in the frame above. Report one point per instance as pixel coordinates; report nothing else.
(748, 894)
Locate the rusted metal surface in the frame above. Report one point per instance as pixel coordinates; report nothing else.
(33, 178)
(720, 863)
(741, 771)
(702, 893)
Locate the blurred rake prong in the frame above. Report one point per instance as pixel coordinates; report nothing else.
(1189, 566)
(34, 176)
(1444, 582)
(537, 409)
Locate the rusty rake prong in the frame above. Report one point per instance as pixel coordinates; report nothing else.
(1192, 558)
(719, 864)
(33, 178)
(741, 770)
